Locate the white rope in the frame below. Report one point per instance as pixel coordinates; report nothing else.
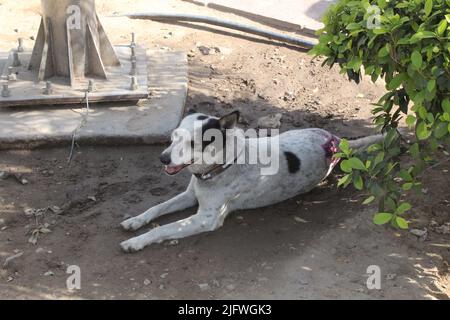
(83, 122)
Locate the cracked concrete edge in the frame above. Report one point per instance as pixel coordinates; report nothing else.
(151, 121)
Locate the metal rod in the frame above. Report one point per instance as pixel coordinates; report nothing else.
(167, 17)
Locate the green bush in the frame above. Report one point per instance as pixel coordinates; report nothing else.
(407, 43)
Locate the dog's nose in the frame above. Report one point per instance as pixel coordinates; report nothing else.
(165, 158)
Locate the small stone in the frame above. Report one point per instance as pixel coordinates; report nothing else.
(39, 250)
(231, 287)
(203, 286)
(147, 282)
(419, 233)
(300, 220)
(161, 287)
(92, 198)
(444, 229)
(205, 50)
(49, 274)
(164, 275)
(391, 276)
(173, 243)
(24, 181)
(10, 279)
(360, 95)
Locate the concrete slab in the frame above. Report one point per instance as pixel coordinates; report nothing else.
(299, 15)
(149, 122)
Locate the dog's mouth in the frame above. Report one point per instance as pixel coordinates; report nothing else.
(173, 170)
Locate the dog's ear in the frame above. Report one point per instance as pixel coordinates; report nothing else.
(230, 120)
(190, 111)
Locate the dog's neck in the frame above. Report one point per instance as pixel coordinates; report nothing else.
(229, 157)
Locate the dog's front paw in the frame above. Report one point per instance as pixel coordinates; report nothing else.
(132, 224)
(132, 245)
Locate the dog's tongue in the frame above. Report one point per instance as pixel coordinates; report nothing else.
(173, 169)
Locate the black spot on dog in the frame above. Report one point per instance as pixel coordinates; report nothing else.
(202, 117)
(293, 162)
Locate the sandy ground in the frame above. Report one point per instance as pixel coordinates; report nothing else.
(317, 245)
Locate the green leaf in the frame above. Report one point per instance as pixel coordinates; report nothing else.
(355, 64)
(397, 81)
(358, 183)
(405, 206)
(407, 186)
(442, 27)
(416, 59)
(402, 223)
(345, 180)
(383, 52)
(428, 7)
(353, 26)
(369, 200)
(357, 164)
(410, 121)
(446, 105)
(379, 158)
(431, 85)
(422, 35)
(441, 130)
(346, 166)
(405, 175)
(422, 131)
(380, 31)
(382, 218)
(345, 146)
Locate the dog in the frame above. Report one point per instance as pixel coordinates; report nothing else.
(306, 157)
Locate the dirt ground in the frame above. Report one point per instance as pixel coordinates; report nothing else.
(317, 245)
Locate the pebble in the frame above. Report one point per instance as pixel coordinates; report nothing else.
(444, 229)
(418, 232)
(231, 287)
(391, 276)
(49, 274)
(164, 275)
(203, 286)
(300, 220)
(147, 282)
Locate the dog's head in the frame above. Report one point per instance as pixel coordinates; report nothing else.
(198, 137)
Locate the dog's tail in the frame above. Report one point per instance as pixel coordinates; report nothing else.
(359, 144)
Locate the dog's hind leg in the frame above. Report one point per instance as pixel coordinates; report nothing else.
(203, 221)
(183, 201)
